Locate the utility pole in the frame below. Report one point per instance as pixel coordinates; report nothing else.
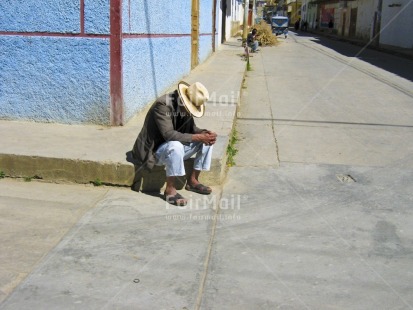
(377, 24)
(245, 28)
(254, 12)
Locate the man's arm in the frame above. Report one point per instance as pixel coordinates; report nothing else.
(207, 137)
(164, 122)
(163, 119)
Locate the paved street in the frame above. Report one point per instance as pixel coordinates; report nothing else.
(316, 213)
(325, 168)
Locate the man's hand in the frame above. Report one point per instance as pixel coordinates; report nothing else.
(207, 137)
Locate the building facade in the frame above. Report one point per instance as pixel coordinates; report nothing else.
(99, 61)
(294, 8)
(230, 18)
(383, 22)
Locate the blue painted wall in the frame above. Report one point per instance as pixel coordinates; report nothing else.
(152, 65)
(53, 79)
(157, 17)
(54, 76)
(58, 16)
(205, 47)
(40, 16)
(205, 23)
(97, 16)
(205, 16)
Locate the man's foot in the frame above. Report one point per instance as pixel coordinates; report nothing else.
(176, 200)
(198, 188)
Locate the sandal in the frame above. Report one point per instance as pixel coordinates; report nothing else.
(199, 188)
(173, 200)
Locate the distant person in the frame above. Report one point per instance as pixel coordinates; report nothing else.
(252, 41)
(169, 136)
(305, 26)
(331, 24)
(297, 25)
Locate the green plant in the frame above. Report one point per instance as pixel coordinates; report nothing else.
(97, 182)
(249, 68)
(29, 179)
(244, 83)
(231, 148)
(2, 174)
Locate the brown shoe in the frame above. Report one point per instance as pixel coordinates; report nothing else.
(199, 188)
(176, 200)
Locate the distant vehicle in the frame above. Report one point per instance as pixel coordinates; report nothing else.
(279, 25)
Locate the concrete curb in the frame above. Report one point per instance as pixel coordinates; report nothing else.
(65, 169)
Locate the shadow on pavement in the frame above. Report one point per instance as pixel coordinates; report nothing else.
(400, 66)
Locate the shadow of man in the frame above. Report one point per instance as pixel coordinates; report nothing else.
(139, 171)
(148, 182)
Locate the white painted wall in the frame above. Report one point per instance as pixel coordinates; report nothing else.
(397, 23)
(235, 12)
(365, 18)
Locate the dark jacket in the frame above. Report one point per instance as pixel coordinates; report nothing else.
(162, 123)
(250, 39)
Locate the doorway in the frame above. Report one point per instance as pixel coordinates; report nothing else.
(353, 23)
(224, 20)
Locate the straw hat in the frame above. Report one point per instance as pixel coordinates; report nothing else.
(193, 97)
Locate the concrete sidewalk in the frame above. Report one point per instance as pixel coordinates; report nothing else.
(86, 153)
(76, 246)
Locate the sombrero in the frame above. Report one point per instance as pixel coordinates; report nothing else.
(193, 97)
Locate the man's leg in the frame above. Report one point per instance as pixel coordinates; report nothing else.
(171, 193)
(171, 154)
(202, 162)
(255, 46)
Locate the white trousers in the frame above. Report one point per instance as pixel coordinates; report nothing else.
(173, 153)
